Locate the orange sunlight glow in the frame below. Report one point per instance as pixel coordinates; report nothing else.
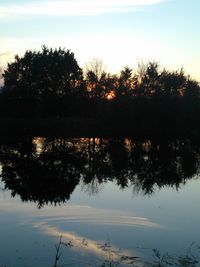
(110, 95)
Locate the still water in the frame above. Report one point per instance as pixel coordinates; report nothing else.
(111, 200)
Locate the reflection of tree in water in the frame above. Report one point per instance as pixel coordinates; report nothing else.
(48, 170)
(163, 164)
(50, 176)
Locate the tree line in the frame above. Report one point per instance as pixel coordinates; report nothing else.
(50, 84)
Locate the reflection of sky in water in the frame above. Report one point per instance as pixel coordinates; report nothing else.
(83, 245)
(89, 215)
(169, 220)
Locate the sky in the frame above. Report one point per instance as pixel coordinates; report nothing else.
(120, 32)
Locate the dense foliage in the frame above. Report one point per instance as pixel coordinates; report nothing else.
(50, 83)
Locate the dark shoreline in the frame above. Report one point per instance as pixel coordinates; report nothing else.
(89, 127)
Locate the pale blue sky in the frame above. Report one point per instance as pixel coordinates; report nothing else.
(120, 32)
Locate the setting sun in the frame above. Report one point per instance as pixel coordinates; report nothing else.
(110, 95)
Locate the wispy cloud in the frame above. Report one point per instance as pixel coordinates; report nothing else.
(73, 7)
(3, 54)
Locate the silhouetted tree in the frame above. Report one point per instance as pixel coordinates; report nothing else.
(124, 85)
(151, 101)
(192, 89)
(45, 72)
(173, 83)
(95, 77)
(44, 76)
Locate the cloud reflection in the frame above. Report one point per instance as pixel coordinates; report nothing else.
(90, 215)
(49, 224)
(84, 245)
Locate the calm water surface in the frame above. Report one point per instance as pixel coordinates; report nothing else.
(107, 198)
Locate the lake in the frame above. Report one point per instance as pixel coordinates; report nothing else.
(110, 202)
